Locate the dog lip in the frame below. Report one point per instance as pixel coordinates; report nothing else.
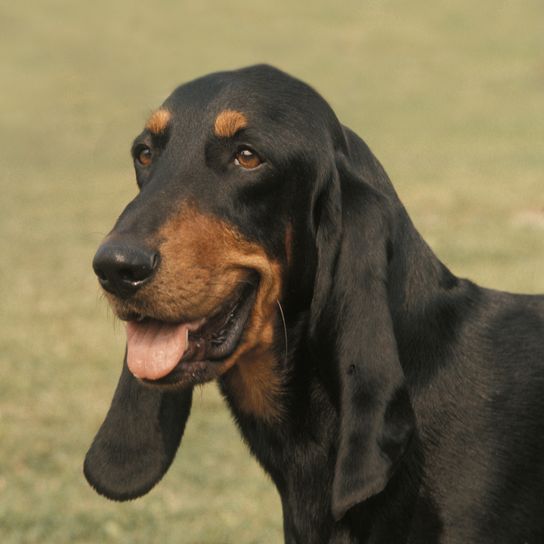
(214, 320)
(223, 342)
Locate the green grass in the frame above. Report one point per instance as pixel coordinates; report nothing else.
(448, 94)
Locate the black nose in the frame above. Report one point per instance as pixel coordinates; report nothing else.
(122, 269)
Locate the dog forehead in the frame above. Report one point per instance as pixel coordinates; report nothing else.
(261, 93)
(248, 84)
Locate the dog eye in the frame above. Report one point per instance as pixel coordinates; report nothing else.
(246, 158)
(144, 155)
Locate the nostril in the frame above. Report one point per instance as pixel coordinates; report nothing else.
(100, 275)
(128, 275)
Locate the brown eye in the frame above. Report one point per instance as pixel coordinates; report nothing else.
(247, 159)
(144, 155)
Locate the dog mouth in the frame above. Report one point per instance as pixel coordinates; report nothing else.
(186, 353)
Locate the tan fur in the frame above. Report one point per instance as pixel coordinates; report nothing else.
(203, 261)
(256, 385)
(228, 123)
(255, 379)
(158, 121)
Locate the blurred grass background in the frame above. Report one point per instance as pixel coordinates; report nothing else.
(449, 95)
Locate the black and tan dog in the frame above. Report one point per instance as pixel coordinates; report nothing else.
(390, 401)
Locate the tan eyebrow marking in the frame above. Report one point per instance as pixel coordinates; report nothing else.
(228, 123)
(158, 121)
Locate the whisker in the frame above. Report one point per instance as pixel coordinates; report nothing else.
(284, 330)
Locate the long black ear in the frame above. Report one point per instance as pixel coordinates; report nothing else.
(138, 440)
(351, 315)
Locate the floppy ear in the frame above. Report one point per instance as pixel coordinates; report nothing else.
(138, 440)
(350, 313)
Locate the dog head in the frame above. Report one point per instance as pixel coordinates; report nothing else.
(252, 198)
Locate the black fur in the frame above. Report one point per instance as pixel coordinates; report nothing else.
(413, 400)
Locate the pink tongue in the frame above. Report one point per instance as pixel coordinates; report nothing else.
(154, 348)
